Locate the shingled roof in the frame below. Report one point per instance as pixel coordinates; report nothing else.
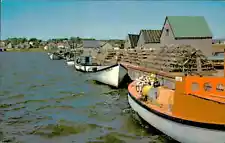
(189, 26)
(91, 44)
(133, 39)
(151, 36)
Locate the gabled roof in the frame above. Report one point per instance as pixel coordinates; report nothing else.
(151, 36)
(189, 26)
(133, 39)
(91, 44)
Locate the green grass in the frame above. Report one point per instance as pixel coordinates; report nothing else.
(218, 47)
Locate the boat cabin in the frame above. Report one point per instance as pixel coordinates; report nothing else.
(85, 60)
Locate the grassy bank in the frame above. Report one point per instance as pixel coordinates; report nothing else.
(218, 47)
(26, 50)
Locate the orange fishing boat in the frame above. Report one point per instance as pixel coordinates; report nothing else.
(185, 114)
(194, 112)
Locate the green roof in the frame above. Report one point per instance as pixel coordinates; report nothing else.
(189, 26)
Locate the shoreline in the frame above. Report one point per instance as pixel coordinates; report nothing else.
(26, 50)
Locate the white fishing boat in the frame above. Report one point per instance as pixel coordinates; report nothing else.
(54, 56)
(84, 64)
(110, 75)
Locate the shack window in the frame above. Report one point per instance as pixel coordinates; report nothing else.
(167, 32)
(87, 60)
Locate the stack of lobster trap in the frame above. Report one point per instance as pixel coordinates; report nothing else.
(174, 58)
(179, 58)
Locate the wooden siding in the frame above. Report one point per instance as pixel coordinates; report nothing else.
(127, 44)
(141, 40)
(106, 47)
(149, 39)
(133, 40)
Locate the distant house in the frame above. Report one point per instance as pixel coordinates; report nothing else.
(109, 46)
(26, 45)
(2, 44)
(46, 47)
(9, 46)
(106, 46)
(43, 43)
(91, 47)
(60, 45)
(22, 45)
(188, 30)
(218, 41)
(131, 41)
(51, 45)
(31, 43)
(67, 45)
(149, 39)
(117, 46)
(91, 44)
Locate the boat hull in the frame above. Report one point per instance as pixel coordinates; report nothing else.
(70, 63)
(77, 67)
(111, 75)
(178, 131)
(85, 68)
(54, 57)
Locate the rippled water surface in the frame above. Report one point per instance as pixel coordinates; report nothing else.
(44, 101)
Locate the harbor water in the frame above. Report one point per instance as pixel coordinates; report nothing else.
(45, 101)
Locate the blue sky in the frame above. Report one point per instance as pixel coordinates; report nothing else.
(99, 19)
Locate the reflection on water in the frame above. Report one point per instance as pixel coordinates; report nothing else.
(43, 101)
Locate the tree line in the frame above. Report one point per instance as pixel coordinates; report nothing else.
(15, 40)
(72, 41)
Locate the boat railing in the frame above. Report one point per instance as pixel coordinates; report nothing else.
(206, 87)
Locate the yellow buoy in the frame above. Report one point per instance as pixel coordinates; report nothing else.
(152, 77)
(146, 89)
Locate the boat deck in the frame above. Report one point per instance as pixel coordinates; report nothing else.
(160, 105)
(165, 103)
